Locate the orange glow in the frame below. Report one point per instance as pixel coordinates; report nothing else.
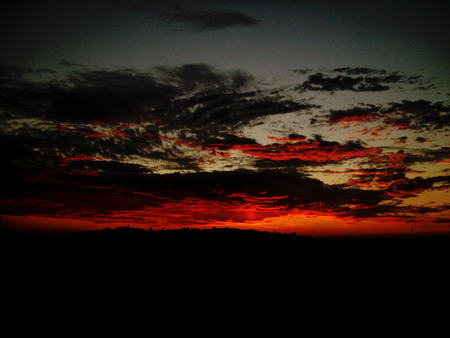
(305, 224)
(66, 160)
(236, 210)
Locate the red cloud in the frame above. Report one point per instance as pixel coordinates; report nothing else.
(294, 147)
(309, 151)
(118, 133)
(65, 161)
(375, 179)
(392, 160)
(291, 138)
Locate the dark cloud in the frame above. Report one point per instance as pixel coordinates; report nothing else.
(108, 95)
(438, 155)
(295, 151)
(124, 187)
(109, 167)
(241, 110)
(21, 156)
(220, 109)
(87, 95)
(302, 71)
(191, 77)
(66, 149)
(412, 187)
(210, 96)
(359, 71)
(104, 194)
(357, 114)
(226, 142)
(320, 82)
(414, 79)
(404, 115)
(197, 18)
(204, 19)
(358, 79)
(68, 63)
(394, 186)
(145, 124)
(72, 108)
(13, 72)
(418, 114)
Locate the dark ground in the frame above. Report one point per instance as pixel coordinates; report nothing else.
(223, 245)
(223, 275)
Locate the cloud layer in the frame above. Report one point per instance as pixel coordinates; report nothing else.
(194, 145)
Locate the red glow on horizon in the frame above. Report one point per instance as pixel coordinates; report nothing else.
(303, 224)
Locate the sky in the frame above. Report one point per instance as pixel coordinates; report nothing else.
(324, 118)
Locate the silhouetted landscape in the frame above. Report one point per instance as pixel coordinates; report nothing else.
(218, 266)
(222, 121)
(224, 243)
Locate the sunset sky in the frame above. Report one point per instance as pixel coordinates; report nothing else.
(321, 117)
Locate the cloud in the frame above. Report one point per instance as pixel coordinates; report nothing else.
(13, 72)
(222, 107)
(359, 71)
(193, 76)
(295, 150)
(235, 194)
(99, 95)
(357, 79)
(19, 156)
(358, 114)
(199, 76)
(95, 95)
(119, 115)
(302, 71)
(197, 18)
(321, 82)
(68, 63)
(203, 19)
(402, 115)
(110, 134)
(418, 114)
(233, 109)
(73, 164)
(438, 155)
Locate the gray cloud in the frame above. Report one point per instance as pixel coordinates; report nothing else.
(320, 82)
(353, 114)
(198, 76)
(405, 115)
(419, 114)
(188, 96)
(202, 19)
(13, 72)
(359, 71)
(357, 79)
(87, 95)
(197, 18)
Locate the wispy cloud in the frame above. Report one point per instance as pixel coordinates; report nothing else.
(197, 18)
(200, 76)
(321, 82)
(419, 114)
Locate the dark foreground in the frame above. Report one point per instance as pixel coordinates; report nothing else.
(218, 246)
(189, 273)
